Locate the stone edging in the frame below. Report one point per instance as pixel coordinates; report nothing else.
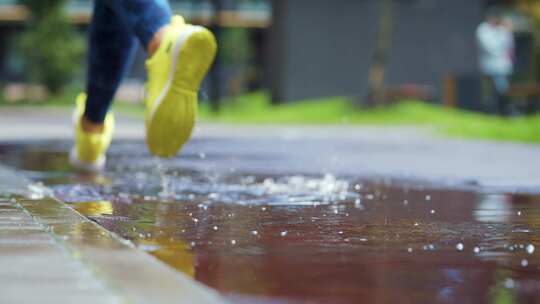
(137, 276)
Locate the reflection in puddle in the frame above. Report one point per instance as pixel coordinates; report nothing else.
(317, 239)
(98, 208)
(493, 208)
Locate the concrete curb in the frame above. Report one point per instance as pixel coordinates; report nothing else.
(134, 275)
(12, 184)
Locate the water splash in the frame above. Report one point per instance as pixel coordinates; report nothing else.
(530, 249)
(165, 182)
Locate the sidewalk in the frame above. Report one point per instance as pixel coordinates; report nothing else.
(51, 254)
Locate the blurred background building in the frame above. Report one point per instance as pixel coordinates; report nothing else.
(419, 48)
(302, 49)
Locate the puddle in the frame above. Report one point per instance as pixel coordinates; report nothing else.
(310, 239)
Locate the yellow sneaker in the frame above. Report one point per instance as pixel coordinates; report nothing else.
(175, 72)
(88, 154)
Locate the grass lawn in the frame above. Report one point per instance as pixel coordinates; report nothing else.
(255, 108)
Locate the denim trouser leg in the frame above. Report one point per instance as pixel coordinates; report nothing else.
(143, 17)
(501, 85)
(116, 26)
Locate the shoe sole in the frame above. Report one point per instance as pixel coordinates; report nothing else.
(173, 115)
(95, 167)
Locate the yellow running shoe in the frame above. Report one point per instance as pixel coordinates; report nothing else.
(88, 154)
(175, 72)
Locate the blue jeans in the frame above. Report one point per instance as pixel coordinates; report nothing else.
(501, 83)
(116, 27)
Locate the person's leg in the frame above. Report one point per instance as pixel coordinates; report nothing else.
(112, 45)
(487, 94)
(180, 56)
(501, 86)
(111, 50)
(145, 18)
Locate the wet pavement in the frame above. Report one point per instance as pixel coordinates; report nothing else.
(382, 151)
(29, 256)
(310, 238)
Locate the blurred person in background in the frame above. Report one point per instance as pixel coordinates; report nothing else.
(179, 56)
(496, 46)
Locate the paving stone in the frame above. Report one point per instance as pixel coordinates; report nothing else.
(61, 257)
(30, 256)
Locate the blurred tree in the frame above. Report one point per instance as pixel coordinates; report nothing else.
(236, 47)
(49, 45)
(377, 72)
(531, 7)
(215, 75)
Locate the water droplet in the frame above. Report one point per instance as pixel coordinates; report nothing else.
(340, 232)
(432, 211)
(336, 211)
(409, 249)
(524, 263)
(519, 213)
(263, 208)
(416, 224)
(193, 244)
(428, 197)
(431, 247)
(460, 247)
(233, 242)
(357, 187)
(196, 220)
(255, 232)
(530, 249)
(476, 250)
(215, 228)
(283, 233)
(346, 240)
(370, 197)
